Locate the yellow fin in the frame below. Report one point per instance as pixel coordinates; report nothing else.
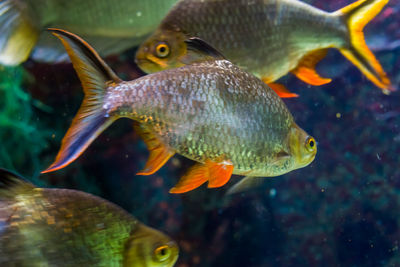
(357, 15)
(281, 90)
(159, 153)
(18, 35)
(305, 70)
(218, 174)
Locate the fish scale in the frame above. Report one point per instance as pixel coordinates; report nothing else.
(268, 38)
(219, 93)
(62, 227)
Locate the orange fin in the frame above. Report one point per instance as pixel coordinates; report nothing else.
(356, 16)
(281, 90)
(159, 153)
(305, 70)
(218, 174)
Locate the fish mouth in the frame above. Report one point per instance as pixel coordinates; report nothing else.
(146, 64)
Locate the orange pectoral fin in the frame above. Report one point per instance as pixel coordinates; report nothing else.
(159, 153)
(281, 90)
(218, 174)
(305, 70)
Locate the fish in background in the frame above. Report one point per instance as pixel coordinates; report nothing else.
(225, 119)
(112, 26)
(62, 227)
(268, 38)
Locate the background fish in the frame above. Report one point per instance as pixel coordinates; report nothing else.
(212, 112)
(267, 37)
(61, 227)
(112, 26)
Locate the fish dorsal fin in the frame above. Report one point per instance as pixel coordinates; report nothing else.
(305, 70)
(198, 50)
(11, 184)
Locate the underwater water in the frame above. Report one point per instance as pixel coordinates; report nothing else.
(341, 210)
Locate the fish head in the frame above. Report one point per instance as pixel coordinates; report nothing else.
(303, 147)
(163, 50)
(149, 247)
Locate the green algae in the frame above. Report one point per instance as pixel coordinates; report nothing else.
(21, 135)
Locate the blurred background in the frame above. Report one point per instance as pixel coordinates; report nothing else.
(342, 210)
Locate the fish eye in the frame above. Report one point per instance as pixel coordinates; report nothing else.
(310, 144)
(162, 253)
(162, 50)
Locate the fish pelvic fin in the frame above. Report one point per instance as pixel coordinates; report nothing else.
(217, 175)
(12, 184)
(18, 34)
(159, 153)
(356, 16)
(305, 70)
(281, 90)
(92, 117)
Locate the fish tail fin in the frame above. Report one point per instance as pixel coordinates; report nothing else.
(12, 185)
(356, 16)
(93, 116)
(18, 35)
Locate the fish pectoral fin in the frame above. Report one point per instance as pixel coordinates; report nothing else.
(217, 174)
(159, 153)
(245, 184)
(305, 70)
(281, 90)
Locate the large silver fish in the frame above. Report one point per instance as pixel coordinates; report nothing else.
(268, 38)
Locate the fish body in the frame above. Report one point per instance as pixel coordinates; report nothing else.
(61, 227)
(268, 38)
(112, 26)
(212, 112)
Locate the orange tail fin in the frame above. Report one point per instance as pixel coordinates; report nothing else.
(357, 15)
(92, 118)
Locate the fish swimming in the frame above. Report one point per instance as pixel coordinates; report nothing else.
(62, 227)
(225, 119)
(268, 38)
(112, 26)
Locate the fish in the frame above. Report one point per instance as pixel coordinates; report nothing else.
(268, 38)
(63, 227)
(112, 26)
(225, 119)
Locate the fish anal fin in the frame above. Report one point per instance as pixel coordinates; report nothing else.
(217, 174)
(305, 70)
(159, 153)
(281, 90)
(220, 173)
